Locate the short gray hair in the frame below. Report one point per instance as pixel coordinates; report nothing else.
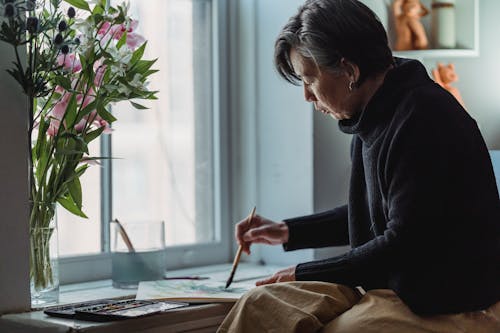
(327, 31)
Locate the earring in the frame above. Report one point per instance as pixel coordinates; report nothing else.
(351, 84)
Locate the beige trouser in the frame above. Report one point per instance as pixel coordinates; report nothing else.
(331, 308)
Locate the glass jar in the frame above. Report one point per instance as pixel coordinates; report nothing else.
(44, 255)
(443, 24)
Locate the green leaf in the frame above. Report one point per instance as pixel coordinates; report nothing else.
(64, 82)
(99, 158)
(122, 41)
(85, 111)
(105, 114)
(82, 4)
(138, 106)
(72, 144)
(71, 109)
(75, 190)
(81, 145)
(94, 134)
(98, 10)
(41, 166)
(151, 71)
(142, 66)
(69, 152)
(97, 17)
(41, 139)
(137, 55)
(70, 206)
(81, 170)
(83, 60)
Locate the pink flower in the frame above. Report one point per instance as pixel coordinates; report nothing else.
(132, 26)
(59, 110)
(93, 119)
(81, 125)
(99, 75)
(56, 114)
(59, 90)
(89, 98)
(116, 31)
(69, 61)
(134, 41)
(107, 29)
(104, 28)
(107, 128)
(53, 127)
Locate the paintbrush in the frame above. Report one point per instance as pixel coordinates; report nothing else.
(238, 253)
(124, 235)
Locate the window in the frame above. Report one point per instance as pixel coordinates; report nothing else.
(165, 164)
(166, 160)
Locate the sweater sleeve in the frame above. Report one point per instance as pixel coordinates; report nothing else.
(318, 230)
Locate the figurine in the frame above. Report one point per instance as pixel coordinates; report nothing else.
(410, 33)
(444, 75)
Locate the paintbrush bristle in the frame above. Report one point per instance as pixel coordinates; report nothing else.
(230, 280)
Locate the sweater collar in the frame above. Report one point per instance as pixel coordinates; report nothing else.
(406, 74)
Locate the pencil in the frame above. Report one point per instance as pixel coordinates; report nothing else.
(238, 254)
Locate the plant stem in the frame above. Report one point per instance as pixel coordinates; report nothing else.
(41, 270)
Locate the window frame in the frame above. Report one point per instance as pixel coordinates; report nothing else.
(75, 269)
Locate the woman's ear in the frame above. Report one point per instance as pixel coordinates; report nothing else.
(351, 69)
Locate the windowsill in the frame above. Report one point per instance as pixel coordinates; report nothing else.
(199, 318)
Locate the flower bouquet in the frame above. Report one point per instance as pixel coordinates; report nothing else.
(72, 61)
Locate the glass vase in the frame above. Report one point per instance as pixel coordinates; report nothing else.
(44, 267)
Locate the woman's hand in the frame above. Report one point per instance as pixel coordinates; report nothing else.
(287, 274)
(260, 230)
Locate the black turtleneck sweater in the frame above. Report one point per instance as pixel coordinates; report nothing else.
(423, 216)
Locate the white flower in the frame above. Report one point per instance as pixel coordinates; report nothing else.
(85, 35)
(122, 56)
(136, 82)
(83, 26)
(119, 69)
(123, 89)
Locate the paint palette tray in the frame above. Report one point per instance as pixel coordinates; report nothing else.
(108, 310)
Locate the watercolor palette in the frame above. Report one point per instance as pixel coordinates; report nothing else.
(107, 310)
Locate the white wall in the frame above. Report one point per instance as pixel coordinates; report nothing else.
(14, 268)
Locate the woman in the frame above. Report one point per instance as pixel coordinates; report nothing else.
(423, 213)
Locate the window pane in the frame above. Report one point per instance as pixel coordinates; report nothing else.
(164, 156)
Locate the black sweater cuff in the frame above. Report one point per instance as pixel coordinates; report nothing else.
(335, 270)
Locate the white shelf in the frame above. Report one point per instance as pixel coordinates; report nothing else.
(437, 53)
(466, 29)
